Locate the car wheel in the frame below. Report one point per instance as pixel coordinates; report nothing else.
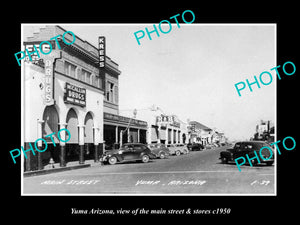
(177, 153)
(224, 160)
(162, 155)
(145, 158)
(112, 160)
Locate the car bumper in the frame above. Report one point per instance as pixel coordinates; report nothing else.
(104, 158)
(152, 156)
(158, 155)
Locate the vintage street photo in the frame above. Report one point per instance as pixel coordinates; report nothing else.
(148, 109)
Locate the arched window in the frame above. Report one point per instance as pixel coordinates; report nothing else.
(88, 131)
(72, 126)
(50, 124)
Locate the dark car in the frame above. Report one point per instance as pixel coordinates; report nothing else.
(195, 146)
(240, 149)
(128, 152)
(160, 150)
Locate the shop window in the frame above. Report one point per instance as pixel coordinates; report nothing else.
(70, 69)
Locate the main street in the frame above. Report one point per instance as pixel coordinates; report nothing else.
(199, 172)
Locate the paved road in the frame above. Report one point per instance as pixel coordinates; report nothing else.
(191, 174)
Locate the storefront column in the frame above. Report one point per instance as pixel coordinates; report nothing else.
(148, 135)
(62, 156)
(167, 135)
(96, 143)
(117, 133)
(81, 144)
(39, 135)
(172, 136)
(128, 135)
(159, 130)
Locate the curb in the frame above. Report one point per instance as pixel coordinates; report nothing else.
(54, 170)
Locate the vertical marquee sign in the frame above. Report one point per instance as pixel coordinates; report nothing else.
(49, 76)
(48, 81)
(101, 41)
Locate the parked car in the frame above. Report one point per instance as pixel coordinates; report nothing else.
(128, 152)
(160, 150)
(177, 149)
(240, 149)
(195, 146)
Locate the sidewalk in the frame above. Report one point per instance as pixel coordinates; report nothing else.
(70, 166)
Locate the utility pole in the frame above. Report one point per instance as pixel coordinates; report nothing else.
(123, 131)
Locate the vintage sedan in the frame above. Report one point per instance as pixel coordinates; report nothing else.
(128, 152)
(177, 149)
(195, 146)
(160, 150)
(240, 149)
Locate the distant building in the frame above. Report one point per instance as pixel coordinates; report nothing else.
(199, 133)
(265, 131)
(218, 138)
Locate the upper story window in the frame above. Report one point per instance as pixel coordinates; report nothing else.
(77, 72)
(70, 69)
(112, 92)
(86, 76)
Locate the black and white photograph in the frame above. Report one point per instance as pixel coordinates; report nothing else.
(149, 112)
(173, 109)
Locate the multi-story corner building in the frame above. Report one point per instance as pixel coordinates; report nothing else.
(65, 89)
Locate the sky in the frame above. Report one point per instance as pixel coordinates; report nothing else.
(191, 71)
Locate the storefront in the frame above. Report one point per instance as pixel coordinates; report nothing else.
(119, 130)
(171, 130)
(62, 90)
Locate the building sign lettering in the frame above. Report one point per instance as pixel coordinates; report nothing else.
(101, 51)
(33, 49)
(165, 120)
(48, 81)
(117, 118)
(75, 95)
